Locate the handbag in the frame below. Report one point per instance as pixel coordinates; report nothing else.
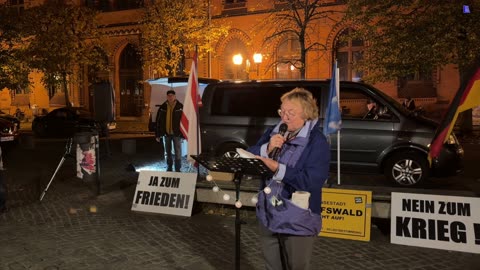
(281, 215)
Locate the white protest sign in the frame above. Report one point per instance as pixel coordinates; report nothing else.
(165, 193)
(436, 221)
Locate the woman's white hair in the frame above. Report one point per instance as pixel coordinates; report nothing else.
(306, 100)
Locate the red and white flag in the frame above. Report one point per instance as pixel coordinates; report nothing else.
(189, 123)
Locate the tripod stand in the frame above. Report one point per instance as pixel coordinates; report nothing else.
(68, 148)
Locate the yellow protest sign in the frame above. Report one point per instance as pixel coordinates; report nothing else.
(346, 214)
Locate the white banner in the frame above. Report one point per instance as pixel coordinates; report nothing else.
(436, 221)
(165, 193)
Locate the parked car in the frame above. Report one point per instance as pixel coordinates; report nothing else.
(394, 141)
(8, 131)
(11, 118)
(64, 122)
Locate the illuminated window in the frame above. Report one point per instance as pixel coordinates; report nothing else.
(113, 5)
(288, 55)
(234, 7)
(19, 5)
(230, 2)
(348, 52)
(100, 5)
(232, 71)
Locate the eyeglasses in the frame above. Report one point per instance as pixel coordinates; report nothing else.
(289, 113)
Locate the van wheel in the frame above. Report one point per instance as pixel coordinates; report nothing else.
(407, 169)
(229, 150)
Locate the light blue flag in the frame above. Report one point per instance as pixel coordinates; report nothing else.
(333, 119)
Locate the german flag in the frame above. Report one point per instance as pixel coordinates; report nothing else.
(467, 97)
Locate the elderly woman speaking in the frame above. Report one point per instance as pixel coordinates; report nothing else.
(289, 204)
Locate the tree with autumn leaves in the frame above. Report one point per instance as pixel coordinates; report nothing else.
(61, 38)
(172, 29)
(404, 37)
(300, 20)
(13, 69)
(408, 36)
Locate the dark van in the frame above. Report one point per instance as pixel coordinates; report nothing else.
(388, 139)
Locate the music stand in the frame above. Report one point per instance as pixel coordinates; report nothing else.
(239, 167)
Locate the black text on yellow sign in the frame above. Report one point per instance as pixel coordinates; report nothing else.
(346, 214)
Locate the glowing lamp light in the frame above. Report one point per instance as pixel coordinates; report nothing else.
(237, 59)
(257, 58)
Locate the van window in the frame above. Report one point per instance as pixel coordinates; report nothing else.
(252, 101)
(356, 104)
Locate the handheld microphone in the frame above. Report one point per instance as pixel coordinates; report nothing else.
(276, 151)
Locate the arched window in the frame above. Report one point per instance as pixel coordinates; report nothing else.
(234, 71)
(417, 84)
(19, 5)
(131, 86)
(348, 51)
(288, 55)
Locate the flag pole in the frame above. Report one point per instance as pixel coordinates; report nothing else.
(337, 82)
(333, 119)
(338, 158)
(196, 105)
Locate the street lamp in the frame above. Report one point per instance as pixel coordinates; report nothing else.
(257, 59)
(237, 61)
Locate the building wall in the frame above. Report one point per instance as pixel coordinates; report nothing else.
(121, 28)
(319, 64)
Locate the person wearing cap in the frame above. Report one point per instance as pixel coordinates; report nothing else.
(168, 125)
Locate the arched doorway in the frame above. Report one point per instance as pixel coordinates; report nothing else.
(236, 71)
(131, 86)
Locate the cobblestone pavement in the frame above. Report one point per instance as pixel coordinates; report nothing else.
(63, 232)
(73, 228)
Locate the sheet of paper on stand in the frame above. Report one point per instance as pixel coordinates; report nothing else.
(244, 154)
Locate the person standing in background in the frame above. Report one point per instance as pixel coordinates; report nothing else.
(168, 126)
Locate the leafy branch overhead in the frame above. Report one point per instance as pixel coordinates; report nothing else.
(13, 70)
(60, 39)
(408, 36)
(174, 28)
(300, 20)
